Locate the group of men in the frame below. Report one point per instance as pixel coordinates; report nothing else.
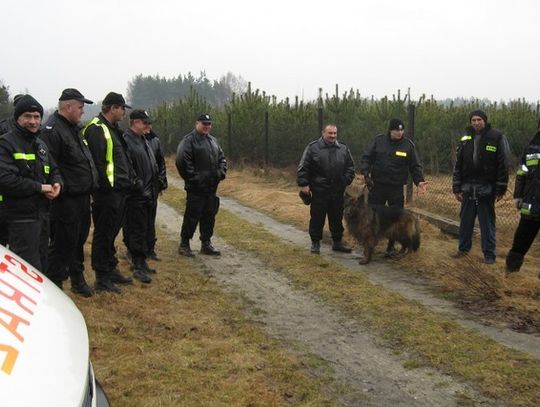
(480, 178)
(55, 178)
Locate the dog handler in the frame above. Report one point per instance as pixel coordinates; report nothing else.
(386, 165)
(325, 170)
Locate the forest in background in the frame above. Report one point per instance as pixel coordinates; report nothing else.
(258, 128)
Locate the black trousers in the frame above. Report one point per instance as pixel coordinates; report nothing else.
(525, 234)
(108, 211)
(29, 239)
(382, 194)
(151, 242)
(201, 209)
(70, 225)
(322, 205)
(137, 226)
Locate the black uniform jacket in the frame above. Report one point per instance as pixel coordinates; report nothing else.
(527, 188)
(482, 159)
(389, 161)
(155, 145)
(124, 177)
(326, 167)
(144, 164)
(72, 155)
(201, 163)
(25, 164)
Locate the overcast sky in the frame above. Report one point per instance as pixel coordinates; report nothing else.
(458, 48)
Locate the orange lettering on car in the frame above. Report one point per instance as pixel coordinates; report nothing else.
(10, 358)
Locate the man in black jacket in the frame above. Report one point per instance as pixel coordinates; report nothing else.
(325, 170)
(480, 178)
(386, 165)
(115, 180)
(29, 179)
(527, 199)
(155, 145)
(70, 212)
(140, 200)
(201, 163)
(6, 126)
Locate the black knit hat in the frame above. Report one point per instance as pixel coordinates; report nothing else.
(479, 113)
(396, 124)
(27, 104)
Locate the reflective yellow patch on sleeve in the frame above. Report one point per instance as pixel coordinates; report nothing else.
(401, 153)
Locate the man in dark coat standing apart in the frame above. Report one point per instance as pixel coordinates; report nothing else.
(201, 163)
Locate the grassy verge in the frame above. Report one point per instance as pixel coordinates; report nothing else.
(406, 326)
(181, 341)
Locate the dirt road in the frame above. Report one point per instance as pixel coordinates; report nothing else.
(372, 375)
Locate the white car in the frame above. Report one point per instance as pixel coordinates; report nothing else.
(44, 354)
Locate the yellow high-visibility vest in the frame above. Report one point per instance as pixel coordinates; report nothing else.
(109, 154)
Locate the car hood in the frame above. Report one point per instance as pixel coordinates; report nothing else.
(43, 339)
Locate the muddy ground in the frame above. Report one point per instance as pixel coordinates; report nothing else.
(371, 375)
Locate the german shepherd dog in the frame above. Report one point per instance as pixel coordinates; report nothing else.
(367, 224)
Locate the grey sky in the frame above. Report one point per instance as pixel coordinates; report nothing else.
(454, 48)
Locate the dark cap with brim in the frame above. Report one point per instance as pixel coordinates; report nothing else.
(113, 98)
(205, 118)
(139, 114)
(74, 94)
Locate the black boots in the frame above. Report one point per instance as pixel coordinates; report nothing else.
(118, 278)
(152, 255)
(104, 283)
(207, 248)
(79, 286)
(139, 271)
(184, 249)
(315, 247)
(338, 246)
(514, 261)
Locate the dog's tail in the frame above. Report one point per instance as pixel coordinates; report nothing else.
(415, 235)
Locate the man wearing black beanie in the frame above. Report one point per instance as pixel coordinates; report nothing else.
(29, 179)
(386, 165)
(480, 178)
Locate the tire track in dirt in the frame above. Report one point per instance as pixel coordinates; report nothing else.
(407, 285)
(372, 375)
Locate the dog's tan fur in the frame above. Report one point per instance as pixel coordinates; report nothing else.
(367, 225)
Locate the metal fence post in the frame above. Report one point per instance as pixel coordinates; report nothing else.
(410, 135)
(229, 135)
(266, 138)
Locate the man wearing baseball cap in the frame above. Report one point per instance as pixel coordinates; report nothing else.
(29, 180)
(70, 212)
(139, 202)
(386, 165)
(201, 163)
(115, 179)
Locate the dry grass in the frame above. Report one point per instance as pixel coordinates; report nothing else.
(406, 326)
(512, 299)
(181, 341)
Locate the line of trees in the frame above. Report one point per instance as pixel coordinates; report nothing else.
(293, 123)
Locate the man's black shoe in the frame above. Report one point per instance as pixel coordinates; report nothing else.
(315, 247)
(140, 274)
(207, 248)
(118, 278)
(79, 286)
(105, 285)
(340, 247)
(152, 255)
(185, 250)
